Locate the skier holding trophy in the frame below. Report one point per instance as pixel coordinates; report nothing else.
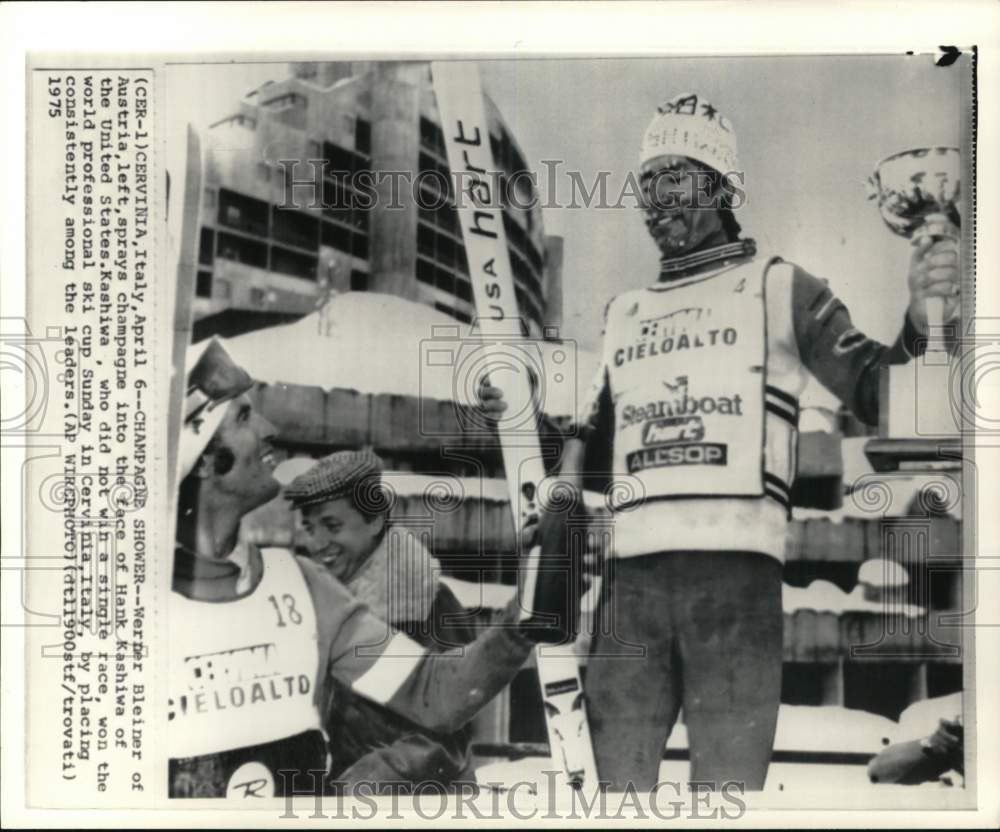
(697, 399)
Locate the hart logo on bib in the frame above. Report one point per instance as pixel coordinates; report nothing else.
(686, 374)
(673, 429)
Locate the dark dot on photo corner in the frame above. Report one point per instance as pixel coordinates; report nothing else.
(949, 55)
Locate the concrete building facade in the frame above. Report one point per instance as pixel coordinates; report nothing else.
(293, 208)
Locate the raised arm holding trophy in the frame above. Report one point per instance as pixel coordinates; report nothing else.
(695, 573)
(919, 196)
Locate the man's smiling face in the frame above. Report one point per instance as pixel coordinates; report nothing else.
(242, 457)
(340, 537)
(680, 200)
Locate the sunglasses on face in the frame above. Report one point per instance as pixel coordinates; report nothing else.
(678, 186)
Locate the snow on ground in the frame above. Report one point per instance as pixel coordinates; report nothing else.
(820, 596)
(850, 782)
(494, 489)
(800, 729)
(824, 596)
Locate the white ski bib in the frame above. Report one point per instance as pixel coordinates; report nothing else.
(243, 672)
(686, 372)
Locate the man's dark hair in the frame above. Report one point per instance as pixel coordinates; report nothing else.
(729, 224)
(725, 190)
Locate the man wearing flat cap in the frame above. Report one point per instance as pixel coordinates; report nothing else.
(345, 515)
(258, 635)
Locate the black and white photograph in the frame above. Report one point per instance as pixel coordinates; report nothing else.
(721, 401)
(561, 436)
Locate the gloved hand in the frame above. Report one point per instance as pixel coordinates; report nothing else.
(946, 742)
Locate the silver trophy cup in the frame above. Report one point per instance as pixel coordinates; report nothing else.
(918, 194)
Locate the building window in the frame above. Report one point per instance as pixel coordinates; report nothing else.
(336, 236)
(445, 217)
(425, 163)
(444, 280)
(464, 317)
(359, 281)
(432, 137)
(449, 220)
(338, 200)
(425, 271)
(360, 219)
(446, 251)
(342, 160)
(243, 212)
(526, 306)
(425, 241)
(205, 253)
(295, 228)
(295, 263)
(359, 246)
(203, 285)
(363, 136)
(242, 250)
(442, 248)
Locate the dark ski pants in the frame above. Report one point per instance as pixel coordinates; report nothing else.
(698, 630)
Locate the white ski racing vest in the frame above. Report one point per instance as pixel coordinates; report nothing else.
(243, 672)
(704, 377)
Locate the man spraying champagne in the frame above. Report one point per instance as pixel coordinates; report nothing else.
(259, 636)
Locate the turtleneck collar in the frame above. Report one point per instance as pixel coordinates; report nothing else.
(217, 580)
(674, 268)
